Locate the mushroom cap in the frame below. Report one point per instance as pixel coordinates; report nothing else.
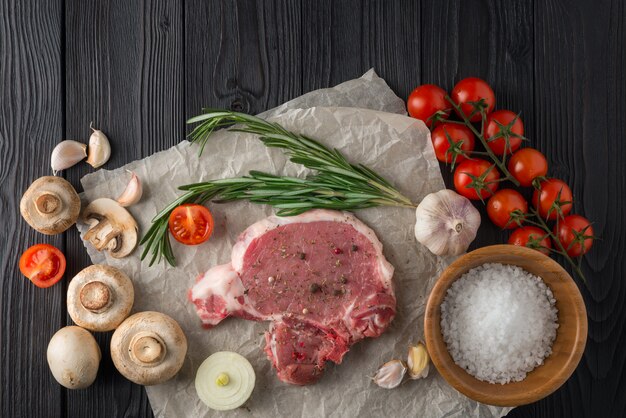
(73, 357)
(148, 348)
(100, 297)
(112, 227)
(50, 205)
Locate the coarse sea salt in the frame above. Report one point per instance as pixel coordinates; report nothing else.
(499, 322)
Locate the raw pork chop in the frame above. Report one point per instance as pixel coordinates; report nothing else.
(320, 278)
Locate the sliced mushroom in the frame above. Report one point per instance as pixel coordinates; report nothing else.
(50, 205)
(112, 227)
(148, 348)
(100, 297)
(73, 357)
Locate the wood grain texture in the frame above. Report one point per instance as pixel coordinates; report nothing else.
(579, 59)
(567, 348)
(138, 69)
(31, 122)
(124, 72)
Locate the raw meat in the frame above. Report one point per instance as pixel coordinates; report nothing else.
(320, 277)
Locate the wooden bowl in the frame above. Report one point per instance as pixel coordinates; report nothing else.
(568, 346)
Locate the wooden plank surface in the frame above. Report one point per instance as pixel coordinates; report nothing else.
(124, 72)
(31, 121)
(139, 69)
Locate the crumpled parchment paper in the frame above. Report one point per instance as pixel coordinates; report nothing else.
(395, 146)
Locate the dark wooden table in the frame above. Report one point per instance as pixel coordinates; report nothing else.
(138, 69)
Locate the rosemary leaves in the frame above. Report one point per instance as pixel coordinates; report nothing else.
(335, 183)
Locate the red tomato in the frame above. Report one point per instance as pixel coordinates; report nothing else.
(502, 203)
(472, 89)
(575, 234)
(545, 198)
(191, 224)
(531, 237)
(492, 128)
(457, 133)
(425, 101)
(43, 264)
(526, 165)
(486, 176)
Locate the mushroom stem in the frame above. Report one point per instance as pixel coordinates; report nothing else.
(102, 234)
(96, 297)
(48, 203)
(147, 348)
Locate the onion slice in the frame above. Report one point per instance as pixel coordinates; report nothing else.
(225, 380)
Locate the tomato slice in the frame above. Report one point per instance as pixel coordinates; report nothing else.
(191, 224)
(43, 264)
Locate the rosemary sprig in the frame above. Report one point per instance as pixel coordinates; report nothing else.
(335, 184)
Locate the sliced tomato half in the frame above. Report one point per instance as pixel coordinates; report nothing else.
(43, 264)
(191, 224)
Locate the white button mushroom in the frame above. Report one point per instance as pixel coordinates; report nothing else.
(148, 348)
(113, 228)
(50, 205)
(73, 357)
(100, 297)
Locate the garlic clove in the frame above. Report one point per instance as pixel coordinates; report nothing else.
(66, 154)
(390, 374)
(99, 148)
(418, 361)
(132, 193)
(446, 223)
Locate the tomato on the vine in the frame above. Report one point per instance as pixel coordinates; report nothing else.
(462, 137)
(526, 165)
(501, 206)
(575, 234)
(476, 179)
(425, 101)
(531, 237)
(43, 264)
(506, 124)
(191, 224)
(553, 198)
(473, 89)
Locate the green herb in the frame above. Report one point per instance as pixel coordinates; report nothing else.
(335, 182)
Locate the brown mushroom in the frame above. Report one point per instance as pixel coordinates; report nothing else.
(100, 297)
(148, 348)
(50, 205)
(112, 227)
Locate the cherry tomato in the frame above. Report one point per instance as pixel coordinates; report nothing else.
(486, 179)
(502, 203)
(472, 89)
(191, 224)
(492, 128)
(545, 198)
(457, 133)
(526, 165)
(531, 237)
(425, 101)
(575, 233)
(43, 264)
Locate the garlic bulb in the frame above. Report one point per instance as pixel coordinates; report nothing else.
(390, 374)
(418, 361)
(66, 154)
(99, 148)
(132, 193)
(446, 223)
